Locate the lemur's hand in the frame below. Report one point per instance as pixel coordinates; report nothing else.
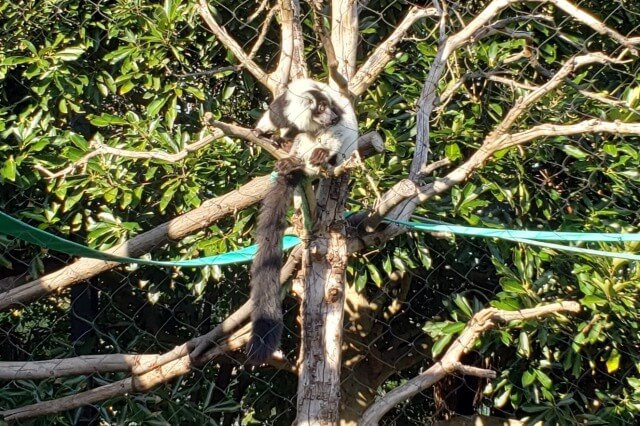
(319, 157)
(288, 165)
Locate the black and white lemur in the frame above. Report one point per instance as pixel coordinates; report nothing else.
(324, 129)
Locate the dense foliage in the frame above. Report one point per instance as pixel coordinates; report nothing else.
(138, 76)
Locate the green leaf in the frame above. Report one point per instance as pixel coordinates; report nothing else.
(156, 105)
(9, 169)
(452, 151)
(610, 149)
(544, 379)
(110, 195)
(463, 305)
(441, 344)
(524, 348)
(167, 196)
(361, 280)
(70, 53)
(5, 263)
(199, 94)
(613, 363)
(527, 378)
(594, 300)
(108, 120)
(374, 274)
(454, 328)
(127, 87)
(62, 106)
(16, 60)
(574, 151)
(512, 285)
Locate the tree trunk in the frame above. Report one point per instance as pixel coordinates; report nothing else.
(323, 311)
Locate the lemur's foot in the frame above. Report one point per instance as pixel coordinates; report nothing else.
(282, 143)
(288, 165)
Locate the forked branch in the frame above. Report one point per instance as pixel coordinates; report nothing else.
(243, 57)
(481, 322)
(383, 53)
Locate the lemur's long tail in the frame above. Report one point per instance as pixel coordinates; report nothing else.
(266, 316)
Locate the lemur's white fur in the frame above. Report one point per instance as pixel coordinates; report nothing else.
(296, 110)
(340, 139)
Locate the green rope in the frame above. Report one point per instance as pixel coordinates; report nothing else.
(18, 229)
(513, 233)
(535, 238)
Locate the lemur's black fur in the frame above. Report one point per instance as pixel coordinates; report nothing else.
(266, 316)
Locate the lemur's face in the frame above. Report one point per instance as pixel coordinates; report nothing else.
(323, 112)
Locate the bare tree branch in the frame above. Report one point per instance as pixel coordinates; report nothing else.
(525, 102)
(87, 364)
(246, 134)
(428, 96)
(261, 7)
(221, 129)
(213, 71)
(482, 321)
(344, 36)
(380, 57)
(136, 383)
(102, 149)
(195, 220)
(461, 173)
(332, 60)
(595, 24)
(298, 52)
(555, 130)
(223, 36)
(282, 73)
(263, 32)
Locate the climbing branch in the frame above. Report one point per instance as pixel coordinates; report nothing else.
(344, 36)
(525, 102)
(291, 62)
(450, 363)
(98, 148)
(219, 129)
(176, 229)
(325, 39)
(249, 135)
(136, 383)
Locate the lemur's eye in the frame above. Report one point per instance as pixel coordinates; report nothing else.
(322, 106)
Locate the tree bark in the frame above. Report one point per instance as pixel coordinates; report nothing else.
(323, 311)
